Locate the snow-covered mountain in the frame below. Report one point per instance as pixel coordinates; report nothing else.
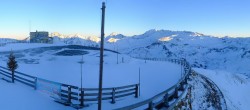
(4, 41)
(200, 50)
(204, 51)
(75, 39)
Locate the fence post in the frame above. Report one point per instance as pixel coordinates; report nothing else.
(35, 83)
(176, 92)
(13, 76)
(113, 96)
(166, 104)
(69, 94)
(82, 98)
(188, 77)
(150, 105)
(182, 86)
(136, 90)
(185, 80)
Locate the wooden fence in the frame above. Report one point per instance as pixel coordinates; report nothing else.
(20, 77)
(168, 98)
(77, 97)
(72, 95)
(91, 94)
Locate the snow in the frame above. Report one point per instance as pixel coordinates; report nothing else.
(111, 40)
(43, 62)
(164, 39)
(20, 97)
(229, 55)
(235, 87)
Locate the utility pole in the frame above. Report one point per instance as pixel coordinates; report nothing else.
(81, 62)
(101, 58)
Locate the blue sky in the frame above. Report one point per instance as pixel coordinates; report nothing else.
(129, 17)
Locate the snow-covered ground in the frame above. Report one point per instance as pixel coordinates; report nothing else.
(61, 64)
(235, 87)
(205, 94)
(20, 97)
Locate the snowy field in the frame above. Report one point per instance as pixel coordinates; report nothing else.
(61, 64)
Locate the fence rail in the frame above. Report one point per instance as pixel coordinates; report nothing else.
(20, 77)
(91, 94)
(164, 98)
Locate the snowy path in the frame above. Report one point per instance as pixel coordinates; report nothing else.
(205, 94)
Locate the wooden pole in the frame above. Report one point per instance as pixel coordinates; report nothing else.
(139, 81)
(81, 104)
(12, 74)
(117, 54)
(101, 58)
(81, 70)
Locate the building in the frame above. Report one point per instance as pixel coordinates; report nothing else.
(40, 37)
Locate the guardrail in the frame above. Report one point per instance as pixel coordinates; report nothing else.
(168, 98)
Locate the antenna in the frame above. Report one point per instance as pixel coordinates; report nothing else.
(29, 26)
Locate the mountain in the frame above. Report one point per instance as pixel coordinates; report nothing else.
(75, 39)
(202, 51)
(4, 41)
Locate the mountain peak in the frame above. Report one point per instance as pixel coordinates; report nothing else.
(150, 31)
(114, 34)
